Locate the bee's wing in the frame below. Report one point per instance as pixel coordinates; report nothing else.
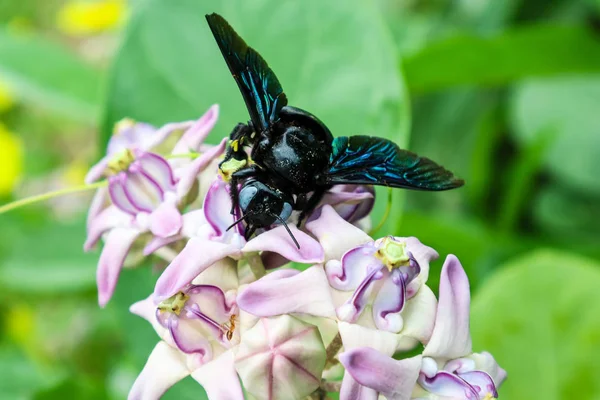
(377, 161)
(260, 88)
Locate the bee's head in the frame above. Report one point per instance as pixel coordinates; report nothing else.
(263, 206)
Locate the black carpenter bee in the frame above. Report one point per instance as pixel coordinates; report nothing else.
(294, 158)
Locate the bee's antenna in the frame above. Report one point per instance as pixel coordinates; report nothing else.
(287, 229)
(238, 221)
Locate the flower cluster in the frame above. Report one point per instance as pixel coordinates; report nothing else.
(232, 312)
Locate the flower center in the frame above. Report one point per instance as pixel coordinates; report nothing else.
(392, 253)
(174, 304)
(120, 162)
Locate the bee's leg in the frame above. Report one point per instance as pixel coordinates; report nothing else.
(235, 149)
(236, 177)
(250, 229)
(312, 202)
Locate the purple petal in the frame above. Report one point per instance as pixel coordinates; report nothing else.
(97, 171)
(219, 378)
(209, 301)
(111, 217)
(196, 256)
(336, 235)
(278, 240)
(148, 141)
(484, 361)
(187, 335)
(394, 379)
(389, 303)
(197, 133)
(448, 385)
(353, 268)
(166, 220)
(306, 293)
(160, 242)
(98, 204)
(351, 202)
(147, 309)
(144, 193)
(116, 188)
(165, 367)
(354, 306)
(158, 170)
(418, 315)
(129, 134)
(451, 337)
(191, 171)
(423, 255)
(217, 207)
(481, 382)
(352, 390)
(118, 243)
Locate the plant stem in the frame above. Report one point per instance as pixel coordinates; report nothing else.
(332, 350)
(46, 196)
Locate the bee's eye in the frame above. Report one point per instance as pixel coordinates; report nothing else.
(246, 195)
(286, 211)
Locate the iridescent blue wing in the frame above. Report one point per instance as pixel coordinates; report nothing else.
(260, 88)
(376, 161)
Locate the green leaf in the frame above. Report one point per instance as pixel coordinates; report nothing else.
(47, 260)
(50, 76)
(335, 59)
(568, 108)
(537, 50)
(539, 317)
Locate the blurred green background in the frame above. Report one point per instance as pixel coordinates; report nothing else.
(506, 93)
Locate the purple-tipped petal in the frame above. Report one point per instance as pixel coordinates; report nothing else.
(196, 256)
(211, 302)
(306, 293)
(191, 171)
(219, 378)
(97, 171)
(166, 220)
(353, 268)
(451, 337)
(165, 367)
(423, 255)
(351, 202)
(278, 240)
(217, 207)
(197, 133)
(389, 303)
(393, 379)
(117, 245)
(336, 235)
(448, 385)
(481, 382)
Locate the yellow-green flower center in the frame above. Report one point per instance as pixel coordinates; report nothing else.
(174, 303)
(120, 162)
(392, 253)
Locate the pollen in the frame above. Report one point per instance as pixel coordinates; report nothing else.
(174, 304)
(120, 162)
(392, 253)
(229, 167)
(489, 396)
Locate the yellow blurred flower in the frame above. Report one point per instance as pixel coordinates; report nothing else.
(11, 160)
(80, 17)
(20, 324)
(75, 173)
(6, 97)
